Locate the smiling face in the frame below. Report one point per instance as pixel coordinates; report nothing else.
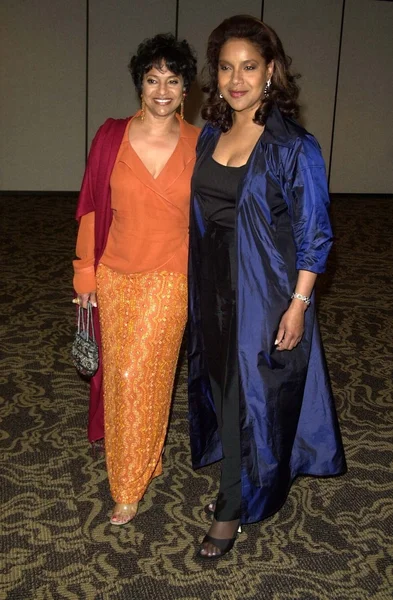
(162, 91)
(242, 75)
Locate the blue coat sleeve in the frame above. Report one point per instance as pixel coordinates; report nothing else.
(307, 197)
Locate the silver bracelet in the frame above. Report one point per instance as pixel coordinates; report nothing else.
(305, 299)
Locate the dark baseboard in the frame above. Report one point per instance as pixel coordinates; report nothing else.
(381, 196)
(76, 193)
(37, 193)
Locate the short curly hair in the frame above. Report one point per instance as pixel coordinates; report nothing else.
(163, 48)
(283, 89)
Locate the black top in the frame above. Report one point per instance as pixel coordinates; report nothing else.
(216, 186)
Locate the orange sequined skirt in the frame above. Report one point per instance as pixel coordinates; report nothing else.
(142, 320)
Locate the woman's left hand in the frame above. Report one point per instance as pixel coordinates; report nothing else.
(291, 327)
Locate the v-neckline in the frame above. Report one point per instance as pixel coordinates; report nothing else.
(249, 156)
(155, 179)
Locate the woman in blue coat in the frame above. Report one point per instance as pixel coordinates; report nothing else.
(259, 391)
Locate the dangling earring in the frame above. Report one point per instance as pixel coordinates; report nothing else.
(182, 107)
(142, 109)
(267, 87)
(220, 96)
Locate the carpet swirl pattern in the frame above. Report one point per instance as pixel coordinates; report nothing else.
(332, 540)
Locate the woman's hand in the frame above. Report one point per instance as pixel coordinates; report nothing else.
(83, 299)
(291, 327)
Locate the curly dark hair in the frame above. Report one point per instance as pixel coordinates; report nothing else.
(163, 48)
(283, 89)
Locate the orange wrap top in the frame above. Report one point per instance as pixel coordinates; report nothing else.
(149, 230)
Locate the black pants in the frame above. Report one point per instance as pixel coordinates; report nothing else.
(218, 305)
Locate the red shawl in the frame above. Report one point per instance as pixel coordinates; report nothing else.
(95, 196)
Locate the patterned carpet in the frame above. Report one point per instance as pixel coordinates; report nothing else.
(331, 541)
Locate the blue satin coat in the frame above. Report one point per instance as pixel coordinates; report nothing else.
(288, 420)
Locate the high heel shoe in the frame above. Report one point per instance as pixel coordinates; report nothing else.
(224, 546)
(210, 508)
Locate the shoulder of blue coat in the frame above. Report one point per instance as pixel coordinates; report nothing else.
(208, 131)
(284, 131)
(304, 144)
(309, 150)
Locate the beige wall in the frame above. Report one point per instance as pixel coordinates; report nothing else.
(54, 93)
(310, 32)
(116, 27)
(42, 94)
(196, 21)
(362, 157)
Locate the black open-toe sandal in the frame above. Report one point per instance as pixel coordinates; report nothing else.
(210, 508)
(224, 546)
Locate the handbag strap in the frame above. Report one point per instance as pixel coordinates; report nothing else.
(80, 319)
(86, 324)
(90, 322)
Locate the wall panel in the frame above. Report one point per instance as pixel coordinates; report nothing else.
(42, 97)
(363, 140)
(310, 33)
(49, 75)
(197, 19)
(116, 27)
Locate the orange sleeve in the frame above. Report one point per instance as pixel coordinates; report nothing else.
(84, 275)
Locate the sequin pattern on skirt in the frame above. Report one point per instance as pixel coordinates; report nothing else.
(142, 320)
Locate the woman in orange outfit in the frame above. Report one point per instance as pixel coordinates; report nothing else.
(132, 262)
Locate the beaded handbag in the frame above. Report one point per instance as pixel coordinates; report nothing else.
(84, 349)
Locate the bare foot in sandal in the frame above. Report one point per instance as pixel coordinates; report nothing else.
(123, 513)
